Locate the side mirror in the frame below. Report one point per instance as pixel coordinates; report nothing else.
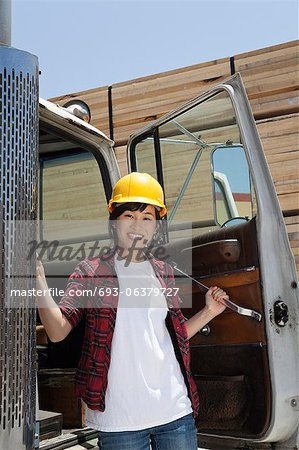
(232, 194)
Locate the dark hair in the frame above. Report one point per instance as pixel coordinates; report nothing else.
(133, 206)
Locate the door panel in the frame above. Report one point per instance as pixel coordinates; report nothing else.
(240, 279)
(223, 220)
(229, 364)
(230, 327)
(234, 388)
(244, 234)
(216, 252)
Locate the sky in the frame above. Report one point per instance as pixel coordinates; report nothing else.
(83, 44)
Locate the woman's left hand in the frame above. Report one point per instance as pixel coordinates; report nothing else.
(213, 300)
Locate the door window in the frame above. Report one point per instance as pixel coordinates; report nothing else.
(232, 184)
(73, 206)
(195, 194)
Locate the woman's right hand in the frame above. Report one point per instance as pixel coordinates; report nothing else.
(41, 282)
(213, 300)
(56, 325)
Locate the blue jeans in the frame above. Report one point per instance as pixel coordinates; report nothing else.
(177, 435)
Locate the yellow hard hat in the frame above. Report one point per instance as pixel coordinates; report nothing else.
(140, 188)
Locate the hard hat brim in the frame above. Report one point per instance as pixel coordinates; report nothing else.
(162, 210)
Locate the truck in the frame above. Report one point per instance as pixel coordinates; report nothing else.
(224, 227)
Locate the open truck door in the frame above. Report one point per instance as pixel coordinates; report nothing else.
(208, 157)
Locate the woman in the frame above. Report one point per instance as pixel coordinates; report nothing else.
(134, 371)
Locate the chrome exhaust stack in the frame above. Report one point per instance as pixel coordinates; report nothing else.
(5, 22)
(18, 187)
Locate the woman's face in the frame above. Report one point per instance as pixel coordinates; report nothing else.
(135, 228)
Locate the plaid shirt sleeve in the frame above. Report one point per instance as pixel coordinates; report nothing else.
(72, 303)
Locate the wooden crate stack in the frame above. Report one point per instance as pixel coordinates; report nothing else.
(271, 79)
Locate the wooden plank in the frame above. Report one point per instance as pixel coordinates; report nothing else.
(280, 141)
(281, 157)
(275, 105)
(177, 71)
(258, 54)
(271, 79)
(276, 84)
(288, 202)
(272, 63)
(292, 220)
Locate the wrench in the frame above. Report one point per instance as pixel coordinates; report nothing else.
(228, 303)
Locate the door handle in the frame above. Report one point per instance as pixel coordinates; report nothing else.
(205, 331)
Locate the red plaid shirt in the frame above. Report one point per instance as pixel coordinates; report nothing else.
(100, 312)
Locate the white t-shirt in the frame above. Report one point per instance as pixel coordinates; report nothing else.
(146, 387)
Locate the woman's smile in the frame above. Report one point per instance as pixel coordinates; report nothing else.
(134, 236)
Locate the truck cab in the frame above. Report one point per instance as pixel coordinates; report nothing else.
(224, 227)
